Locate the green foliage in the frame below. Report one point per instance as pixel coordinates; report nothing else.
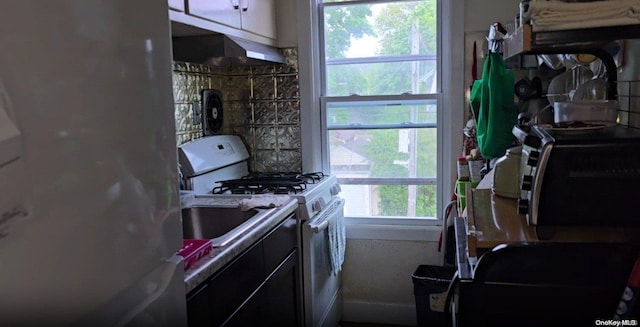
(394, 26)
(342, 23)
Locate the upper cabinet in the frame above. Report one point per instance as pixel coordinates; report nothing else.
(253, 20)
(219, 11)
(259, 17)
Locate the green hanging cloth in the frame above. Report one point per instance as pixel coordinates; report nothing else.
(493, 108)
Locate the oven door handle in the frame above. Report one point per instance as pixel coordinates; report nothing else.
(320, 227)
(322, 222)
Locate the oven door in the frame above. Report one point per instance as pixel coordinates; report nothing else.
(322, 288)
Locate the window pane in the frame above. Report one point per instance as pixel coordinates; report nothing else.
(384, 153)
(389, 200)
(402, 36)
(386, 78)
(381, 29)
(381, 112)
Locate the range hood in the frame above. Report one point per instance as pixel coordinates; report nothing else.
(223, 50)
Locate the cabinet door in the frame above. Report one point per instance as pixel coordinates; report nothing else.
(284, 302)
(199, 307)
(260, 18)
(231, 287)
(280, 242)
(252, 312)
(219, 11)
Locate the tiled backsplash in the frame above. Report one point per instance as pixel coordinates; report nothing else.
(261, 104)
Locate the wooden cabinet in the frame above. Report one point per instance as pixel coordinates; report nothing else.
(259, 16)
(261, 285)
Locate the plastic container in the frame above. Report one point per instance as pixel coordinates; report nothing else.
(193, 250)
(506, 174)
(430, 285)
(586, 111)
(463, 169)
(461, 193)
(475, 167)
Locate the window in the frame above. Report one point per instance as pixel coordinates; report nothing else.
(381, 102)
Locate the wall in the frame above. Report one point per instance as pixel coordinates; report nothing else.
(261, 104)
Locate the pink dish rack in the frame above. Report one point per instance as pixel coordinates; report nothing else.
(193, 250)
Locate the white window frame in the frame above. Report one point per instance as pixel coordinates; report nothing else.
(450, 122)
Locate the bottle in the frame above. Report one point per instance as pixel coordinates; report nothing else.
(506, 174)
(463, 169)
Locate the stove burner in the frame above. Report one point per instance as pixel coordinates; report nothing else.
(261, 185)
(286, 176)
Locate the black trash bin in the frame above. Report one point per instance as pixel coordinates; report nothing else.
(430, 285)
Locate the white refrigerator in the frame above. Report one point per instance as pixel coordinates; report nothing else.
(89, 200)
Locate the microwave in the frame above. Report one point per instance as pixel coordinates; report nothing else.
(582, 177)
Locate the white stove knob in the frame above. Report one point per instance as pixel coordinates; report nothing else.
(316, 206)
(335, 189)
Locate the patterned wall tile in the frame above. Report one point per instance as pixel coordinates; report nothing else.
(237, 113)
(265, 137)
(179, 87)
(288, 137)
(266, 161)
(264, 112)
(237, 70)
(269, 128)
(288, 112)
(263, 87)
(291, 66)
(287, 87)
(184, 117)
(289, 161)
(236, 88)
(262, 70)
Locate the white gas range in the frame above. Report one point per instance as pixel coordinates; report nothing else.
(216, 167)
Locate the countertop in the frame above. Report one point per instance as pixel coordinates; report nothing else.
(492, 220)
(220, 256)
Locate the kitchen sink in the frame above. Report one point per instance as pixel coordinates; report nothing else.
(219, 224)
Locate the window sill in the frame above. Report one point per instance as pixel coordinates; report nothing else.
(393, 229)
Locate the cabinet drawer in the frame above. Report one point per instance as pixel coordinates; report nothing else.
(279, 243)
(231, 287)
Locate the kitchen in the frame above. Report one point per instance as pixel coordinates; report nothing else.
(368, 297)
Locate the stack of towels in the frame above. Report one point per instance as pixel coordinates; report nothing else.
(555, 15)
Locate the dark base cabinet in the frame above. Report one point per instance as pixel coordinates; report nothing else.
(260, 286)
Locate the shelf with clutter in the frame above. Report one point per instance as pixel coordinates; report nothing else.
(584, 27)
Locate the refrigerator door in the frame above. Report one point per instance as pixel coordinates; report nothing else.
(88, 87)
(157, 299)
